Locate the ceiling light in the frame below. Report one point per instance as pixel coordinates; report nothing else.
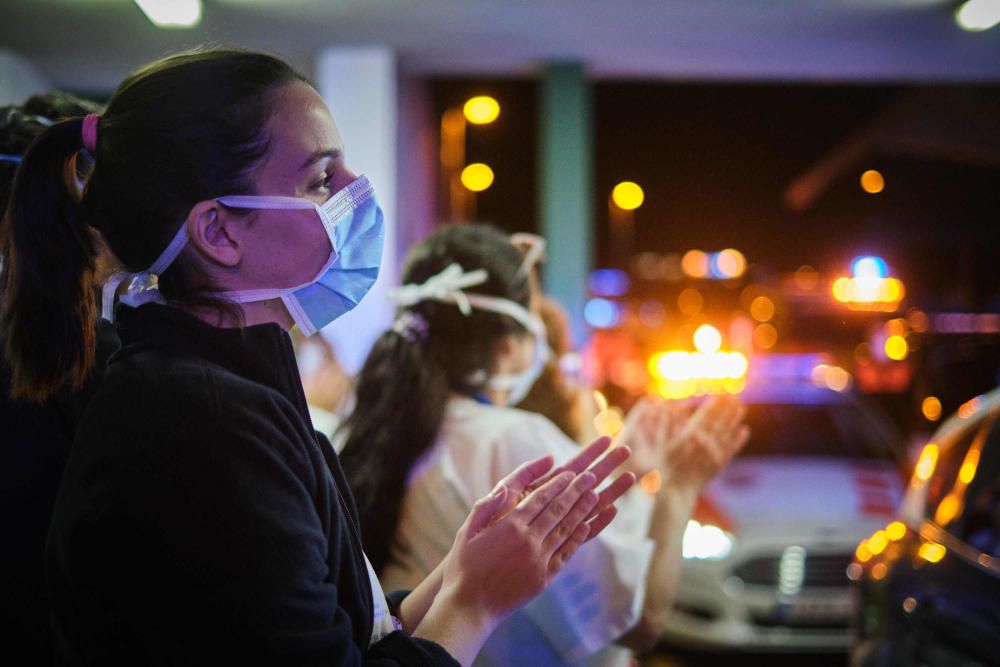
(172, 13)
(978, 15)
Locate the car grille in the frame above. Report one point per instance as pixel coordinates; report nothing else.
(821, 571)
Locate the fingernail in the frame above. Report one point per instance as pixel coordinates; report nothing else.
(588, 479)
(497, 492)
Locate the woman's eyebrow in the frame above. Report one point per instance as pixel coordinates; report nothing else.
(320, 155)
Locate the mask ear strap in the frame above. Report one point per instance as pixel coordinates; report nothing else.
(534, 252)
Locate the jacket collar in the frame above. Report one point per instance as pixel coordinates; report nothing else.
(261, 353)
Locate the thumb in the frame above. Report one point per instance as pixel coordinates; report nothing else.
(486, 509)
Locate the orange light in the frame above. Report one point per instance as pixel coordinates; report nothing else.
(927, 462)
(948, 509)
(872, 182)
(931, 407)
(806, 278)
(695, 264)
(765, 336)
(690, 301)
(651, 482)
(879, 570)
(969, 408)
(863, 554)
(762, 309)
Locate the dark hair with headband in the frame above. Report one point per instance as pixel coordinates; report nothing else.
(181, 130)
(404, 385)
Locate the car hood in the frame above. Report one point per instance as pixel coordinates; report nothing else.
(838, 498)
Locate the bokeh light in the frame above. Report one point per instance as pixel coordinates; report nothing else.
(477, 177)
(872, 182)
(695, 264)
(627, 196)
(481, 110)
(931, 408)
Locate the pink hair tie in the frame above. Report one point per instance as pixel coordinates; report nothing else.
(89, 131)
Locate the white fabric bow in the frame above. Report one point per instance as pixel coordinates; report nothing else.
(446, 286)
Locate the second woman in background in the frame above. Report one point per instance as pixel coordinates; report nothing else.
(431, 432)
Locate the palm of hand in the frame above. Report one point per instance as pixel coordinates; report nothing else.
(700, 442)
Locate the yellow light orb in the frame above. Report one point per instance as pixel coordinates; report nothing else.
(765, 336)
(895, 531)
(731, 263)
(477, 177)
(872, 182)
(481, 110)
(892, 290)
(707, 339)
(695, 264)
(843, 290)
(927, 462)
(878, 542)
(896, 348)
(627, 196)
(762, 309)
(932, 552)
(931, 407)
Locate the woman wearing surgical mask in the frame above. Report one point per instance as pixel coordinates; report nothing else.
(201, 519)
(431, 432)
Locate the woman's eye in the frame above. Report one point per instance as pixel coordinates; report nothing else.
(324, 182)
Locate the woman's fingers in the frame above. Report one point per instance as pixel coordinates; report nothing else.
(587, 455)
(610, 462)
(579, 535)
(601, 521)
(525, 475)
(580, 462)
(607, 497)
(560, 528)
(486, 509)
(543, 510)
(539, 499)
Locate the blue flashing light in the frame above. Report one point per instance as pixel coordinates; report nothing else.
(785, 367)
(713, 267)
(869, 267)
(602, 313)
(608, 282)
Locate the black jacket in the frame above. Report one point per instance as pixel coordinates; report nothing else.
(201, 520)
(34, 445)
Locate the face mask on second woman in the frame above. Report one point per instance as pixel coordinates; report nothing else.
(355, 226)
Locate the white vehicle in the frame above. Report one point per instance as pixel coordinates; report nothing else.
(767, 550)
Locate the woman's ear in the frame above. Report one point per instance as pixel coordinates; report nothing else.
(215, 232)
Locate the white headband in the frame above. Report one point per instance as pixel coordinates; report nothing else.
(449, 287)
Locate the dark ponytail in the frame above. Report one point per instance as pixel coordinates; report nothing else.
(405, 383)
(184, 129)
(49, 254)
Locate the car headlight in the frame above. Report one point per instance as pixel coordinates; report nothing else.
(706, 542)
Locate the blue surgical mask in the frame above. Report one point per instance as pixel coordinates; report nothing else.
(354, 225)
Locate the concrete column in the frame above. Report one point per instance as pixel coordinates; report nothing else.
(360, 87)
(565, 187)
